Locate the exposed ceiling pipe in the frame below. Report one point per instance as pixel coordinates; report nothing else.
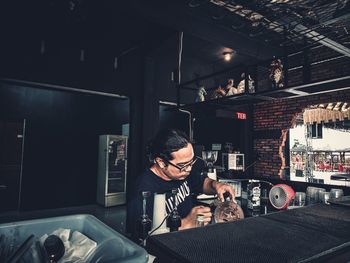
(324, 40)
(298, 28)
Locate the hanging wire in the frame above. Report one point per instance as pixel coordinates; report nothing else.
(181, 36)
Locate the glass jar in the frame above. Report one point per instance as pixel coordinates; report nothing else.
(199, 220)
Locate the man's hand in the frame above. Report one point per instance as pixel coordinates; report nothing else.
(221, 188)
(211, 186)
(190, 220)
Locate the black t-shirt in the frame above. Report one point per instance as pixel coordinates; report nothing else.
(149, 181)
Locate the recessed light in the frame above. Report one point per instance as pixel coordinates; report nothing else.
(228, 55)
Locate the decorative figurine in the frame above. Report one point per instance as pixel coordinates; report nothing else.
(276, 74)
(241, 85)
(201, 94)
(218, 93)
(230, 89)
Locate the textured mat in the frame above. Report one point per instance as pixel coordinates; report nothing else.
(288, 236)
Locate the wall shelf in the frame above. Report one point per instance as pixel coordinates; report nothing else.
(238, 101)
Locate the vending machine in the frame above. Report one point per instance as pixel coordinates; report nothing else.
(112, 170)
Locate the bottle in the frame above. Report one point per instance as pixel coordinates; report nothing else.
(144, 224)
(264, 200)
(199, 220)
(253, 191)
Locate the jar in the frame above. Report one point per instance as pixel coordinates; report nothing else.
(336, 193)
(199, 220)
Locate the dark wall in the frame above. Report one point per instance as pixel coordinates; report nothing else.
(209, 129)
(220, 130)
(166, 57)
(61, 141)
(169, 117)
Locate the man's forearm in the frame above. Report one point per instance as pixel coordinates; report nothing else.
(209, 186)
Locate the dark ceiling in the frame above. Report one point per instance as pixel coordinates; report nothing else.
(255, 30)
(287, 23)
(258, 29)
(112, 25)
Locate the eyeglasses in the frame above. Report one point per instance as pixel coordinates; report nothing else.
(183, 167)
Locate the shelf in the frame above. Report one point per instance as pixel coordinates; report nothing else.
(311, 88)
(238, 101)
(232, 102)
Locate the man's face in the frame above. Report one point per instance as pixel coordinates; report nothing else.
(184, 159)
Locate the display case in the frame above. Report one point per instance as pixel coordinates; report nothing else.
(112, 170)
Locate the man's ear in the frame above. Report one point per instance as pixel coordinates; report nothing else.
(160, 162)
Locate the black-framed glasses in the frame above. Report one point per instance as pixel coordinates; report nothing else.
(182, 167)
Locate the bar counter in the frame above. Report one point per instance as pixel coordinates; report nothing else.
(315, 233)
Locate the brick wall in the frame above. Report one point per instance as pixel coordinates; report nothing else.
(271, 118)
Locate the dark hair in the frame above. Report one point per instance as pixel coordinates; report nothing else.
(166, 142)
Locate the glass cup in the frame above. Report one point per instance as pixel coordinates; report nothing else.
(336, 193)
(299, 199)
(311, 195)
(324, 197)
(319, 193)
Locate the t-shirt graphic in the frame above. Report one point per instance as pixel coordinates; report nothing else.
(183, 192)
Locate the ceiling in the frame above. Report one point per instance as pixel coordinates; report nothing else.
(104, 26)
(254, 29)
(291, 24)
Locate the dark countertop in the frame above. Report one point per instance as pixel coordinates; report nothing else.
(307, 234)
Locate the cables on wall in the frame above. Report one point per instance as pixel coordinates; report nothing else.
(181, 36)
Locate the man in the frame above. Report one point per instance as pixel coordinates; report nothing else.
(172, 159)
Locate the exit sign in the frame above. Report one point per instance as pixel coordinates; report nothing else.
(241, 115)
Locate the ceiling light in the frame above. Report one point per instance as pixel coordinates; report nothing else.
(228, 55)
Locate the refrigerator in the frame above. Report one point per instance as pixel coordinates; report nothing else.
(112, 170)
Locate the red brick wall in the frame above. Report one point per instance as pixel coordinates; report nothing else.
(272, 118)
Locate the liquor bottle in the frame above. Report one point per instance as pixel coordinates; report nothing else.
(253, 192)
